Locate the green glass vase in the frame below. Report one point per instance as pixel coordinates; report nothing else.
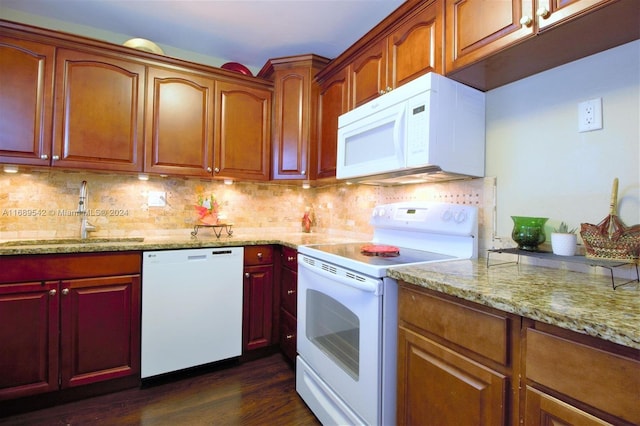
(528, 232)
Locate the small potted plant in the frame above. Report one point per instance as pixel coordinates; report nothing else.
(564, 241)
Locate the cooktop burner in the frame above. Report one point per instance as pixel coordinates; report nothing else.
(380, 250)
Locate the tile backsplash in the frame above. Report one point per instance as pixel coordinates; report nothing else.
(42, 204)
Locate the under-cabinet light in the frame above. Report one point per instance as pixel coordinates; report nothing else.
(143, 176)
(306, 185)
(228, 181)
(10, 168)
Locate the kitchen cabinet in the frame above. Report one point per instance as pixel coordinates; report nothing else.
(242, 131)
(288, 302)
(26, 104)
(333, 102)
(257, 311)
(99, 112)
(411, 48)
(579, 380)
(489, 44)
(456, 363)
(179, 126)
(295, 115)
(67, 321)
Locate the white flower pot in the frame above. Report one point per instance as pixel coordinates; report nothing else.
(564, 244)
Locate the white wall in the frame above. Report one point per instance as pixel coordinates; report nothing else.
(543, 166)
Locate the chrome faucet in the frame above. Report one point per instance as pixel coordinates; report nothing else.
(85, 226)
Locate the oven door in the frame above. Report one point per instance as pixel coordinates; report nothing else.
(340, 340)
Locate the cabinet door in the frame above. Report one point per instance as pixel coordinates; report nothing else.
(100, 329)
(179, 127)
(441, 387)
(368, 74)
(26, 101)
(257, 307)
(543, 409)
(477, 28)
(416, 46)
(291, 137)
(289, 291)
(243, 131)
(29, 339)
(550, 12)
(99, 107)
(333, 102)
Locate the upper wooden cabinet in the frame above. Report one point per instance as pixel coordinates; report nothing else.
(179, 125)
(295, 115)
(412, 47)
(242, 131)
(489, 43)
(333, 101)
(26, 101)
(99, 112)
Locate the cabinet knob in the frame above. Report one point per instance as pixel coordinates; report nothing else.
(52, 292)
(217, 170)
(65, 291)
(290, 336)
(389, 88)
(526, 21)
(304, 172)
(290, 258)
(382, 92)
(246, 275)
(260, 255)
(55, 157)
(543, 12)
(44, 157)
(209, 170)
(290, 292)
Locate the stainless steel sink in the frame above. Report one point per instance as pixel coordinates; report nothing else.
(93, 240)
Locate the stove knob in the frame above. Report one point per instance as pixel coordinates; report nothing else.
(460, 216)
(446, 216)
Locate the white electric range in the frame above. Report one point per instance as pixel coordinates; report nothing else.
(347, 307)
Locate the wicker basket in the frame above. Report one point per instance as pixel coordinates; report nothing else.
(611, 239)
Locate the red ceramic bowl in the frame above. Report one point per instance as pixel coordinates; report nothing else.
(234, 66)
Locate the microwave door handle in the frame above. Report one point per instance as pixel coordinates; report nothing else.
(398, 137)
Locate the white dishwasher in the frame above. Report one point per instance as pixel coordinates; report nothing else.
(191, 308)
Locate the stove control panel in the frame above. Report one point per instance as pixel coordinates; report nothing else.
(442, 218)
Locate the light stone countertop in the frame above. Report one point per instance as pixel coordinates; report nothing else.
(581, 302)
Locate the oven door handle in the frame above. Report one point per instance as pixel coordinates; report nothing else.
(369, 285)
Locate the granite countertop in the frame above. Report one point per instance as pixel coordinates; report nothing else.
(581, 302)
(204, 239)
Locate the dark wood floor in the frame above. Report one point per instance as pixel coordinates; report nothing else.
(260, 392)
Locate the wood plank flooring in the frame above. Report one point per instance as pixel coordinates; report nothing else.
(260, 392)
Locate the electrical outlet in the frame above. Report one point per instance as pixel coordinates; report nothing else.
(590, 115)
(157, 199)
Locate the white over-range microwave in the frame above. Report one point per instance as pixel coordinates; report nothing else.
(432, 128)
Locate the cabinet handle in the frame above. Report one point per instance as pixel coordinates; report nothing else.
(44, 157)
(290, 336)
(55, 157)
(217, 170)
(290, 292)
(260, 256)
(526, 21)
(52, 292)
(209, 170)
(247, 275)
(65, 291)
(290, 259)
(543, 12)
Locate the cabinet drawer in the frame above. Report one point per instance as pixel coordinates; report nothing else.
(481, 332)
(290, 258)
(258, 255)
(599, 378)
(288, 326)
(289, 291)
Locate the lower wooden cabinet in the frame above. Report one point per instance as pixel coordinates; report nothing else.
(61, 333)
(257, 312)
(454, 362)
(288, 302)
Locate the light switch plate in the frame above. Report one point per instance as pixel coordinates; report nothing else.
(157, 199)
